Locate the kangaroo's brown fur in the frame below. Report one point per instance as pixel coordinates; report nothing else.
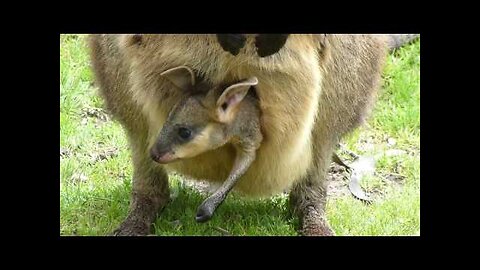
(313, 91)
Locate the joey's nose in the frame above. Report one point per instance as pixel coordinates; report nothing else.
(162, 156)
(154, 154)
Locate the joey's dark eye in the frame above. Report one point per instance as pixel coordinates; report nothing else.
(184, 133)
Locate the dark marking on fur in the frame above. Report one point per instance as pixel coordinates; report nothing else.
(137, 39)
(269, 44)
(231, 43)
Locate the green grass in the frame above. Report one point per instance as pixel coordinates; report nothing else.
(95, 192)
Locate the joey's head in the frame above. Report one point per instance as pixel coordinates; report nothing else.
(199, 122)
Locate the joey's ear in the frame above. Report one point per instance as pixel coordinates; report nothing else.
(182, 77)
(232, 96)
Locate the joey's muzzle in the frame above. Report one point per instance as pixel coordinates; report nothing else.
(162, 156)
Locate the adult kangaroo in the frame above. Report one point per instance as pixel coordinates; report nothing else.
(312, 90)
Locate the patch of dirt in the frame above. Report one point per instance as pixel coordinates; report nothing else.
(337, 181)
(394, 179)
(103, 154)
(395, 152)
(65, 153)
(78, 178)
(338, 178)
(98, 114)
(391, 142)
(366, 144)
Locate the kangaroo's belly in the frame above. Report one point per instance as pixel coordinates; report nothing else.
(289, 91)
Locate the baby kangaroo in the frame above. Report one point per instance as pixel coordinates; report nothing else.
(210, 117)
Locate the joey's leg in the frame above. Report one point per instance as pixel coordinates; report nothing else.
(242, 162)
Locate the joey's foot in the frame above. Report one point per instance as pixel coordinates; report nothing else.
(204, 213)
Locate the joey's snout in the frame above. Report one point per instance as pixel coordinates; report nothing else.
(162, 155)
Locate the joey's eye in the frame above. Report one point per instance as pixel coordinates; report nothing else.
(184, 133)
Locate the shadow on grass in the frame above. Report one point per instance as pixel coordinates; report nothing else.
(236, 216)
(100, 211)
